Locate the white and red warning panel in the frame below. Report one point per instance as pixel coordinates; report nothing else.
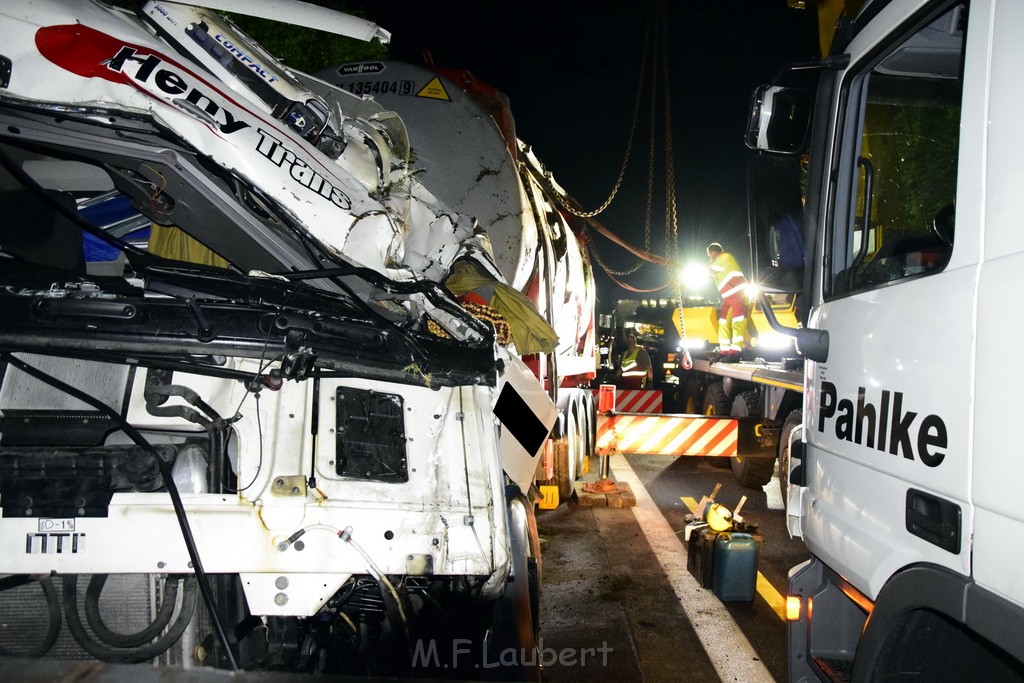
(667, 435)
(635, 400)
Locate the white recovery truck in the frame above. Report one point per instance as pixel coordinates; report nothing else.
(903, 477)
(244, 423)
(748, 408)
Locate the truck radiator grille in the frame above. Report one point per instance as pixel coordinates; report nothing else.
(24, 616)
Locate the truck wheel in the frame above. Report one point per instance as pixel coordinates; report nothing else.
(591, 435)
(751, 472)
(793, 421)
(692, 398)
(716, 402)
(580, 435)
(515, 626)
(592, 429)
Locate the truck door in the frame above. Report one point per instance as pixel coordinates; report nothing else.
(888, 429)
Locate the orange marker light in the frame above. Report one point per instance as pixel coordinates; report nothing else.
(793, 603)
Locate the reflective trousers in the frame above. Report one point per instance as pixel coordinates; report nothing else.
(732, 324)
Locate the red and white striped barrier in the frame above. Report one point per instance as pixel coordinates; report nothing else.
(636, 400)
(667, 435)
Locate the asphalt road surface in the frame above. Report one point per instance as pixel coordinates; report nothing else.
(618, 603)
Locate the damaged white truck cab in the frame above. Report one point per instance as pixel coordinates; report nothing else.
(228, 361)
(902, 477)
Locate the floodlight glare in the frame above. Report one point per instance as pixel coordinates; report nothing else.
(694, 276)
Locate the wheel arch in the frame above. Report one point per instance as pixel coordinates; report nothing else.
(949, 616)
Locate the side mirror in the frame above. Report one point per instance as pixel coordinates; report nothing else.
(780, 119)
(812, 344)
(775, 215)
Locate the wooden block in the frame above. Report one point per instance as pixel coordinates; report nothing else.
(622, 498)
(585, 499)
(628, 499)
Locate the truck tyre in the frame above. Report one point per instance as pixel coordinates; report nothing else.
(792, 421)
(591, 428)
(516, 615)
(751, 472)
(580, 434)
(693, 400)
(716, 402)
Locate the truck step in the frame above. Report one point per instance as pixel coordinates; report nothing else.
(838, 670)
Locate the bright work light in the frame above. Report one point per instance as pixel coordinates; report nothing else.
(693, 276)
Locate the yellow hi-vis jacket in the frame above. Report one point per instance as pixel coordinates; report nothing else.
(635, 365)
(728, 276)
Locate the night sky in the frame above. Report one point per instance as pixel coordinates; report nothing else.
(570, 71)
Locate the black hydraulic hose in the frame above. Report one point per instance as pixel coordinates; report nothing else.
(165, 472)
(139, 638)
(190, 396)
(135, 655)
(393, 611)
(52, 627)
(218, 465)
(213, 423)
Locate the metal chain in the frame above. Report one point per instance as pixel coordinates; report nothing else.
(653, 35)
(597, 257)
(652, 126)
(629, 142)
(639, 264)
(671, 215)
(671, 207)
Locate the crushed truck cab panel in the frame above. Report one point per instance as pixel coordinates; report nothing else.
(230, 365)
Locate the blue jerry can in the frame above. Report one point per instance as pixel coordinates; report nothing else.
(735, 566)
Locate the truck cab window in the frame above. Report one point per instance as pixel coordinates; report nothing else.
(900, 158)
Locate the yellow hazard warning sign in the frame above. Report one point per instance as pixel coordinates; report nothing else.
(434, 90)
(550, 501)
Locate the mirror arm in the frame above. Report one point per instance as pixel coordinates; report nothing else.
(812, 344)
(832, 62)
(797, 66)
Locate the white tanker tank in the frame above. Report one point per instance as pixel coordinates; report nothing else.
(466, 152)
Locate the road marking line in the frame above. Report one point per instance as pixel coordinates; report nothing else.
(764, 587)
(728, 649)
(771, 596)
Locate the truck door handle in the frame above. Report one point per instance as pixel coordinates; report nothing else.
(798, 471)
(934, 519)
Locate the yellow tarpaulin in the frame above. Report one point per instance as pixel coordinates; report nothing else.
(173, 243)
(530, 332)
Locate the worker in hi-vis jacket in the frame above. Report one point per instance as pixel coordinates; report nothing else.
(635, 366)
(732, 316)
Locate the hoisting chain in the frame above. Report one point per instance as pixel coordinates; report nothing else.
(629, 142)
(611, 274)
(651, 36)
(655, 54)
(671, 206)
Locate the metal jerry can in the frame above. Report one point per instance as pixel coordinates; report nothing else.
(735, 566)
(701, 558)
